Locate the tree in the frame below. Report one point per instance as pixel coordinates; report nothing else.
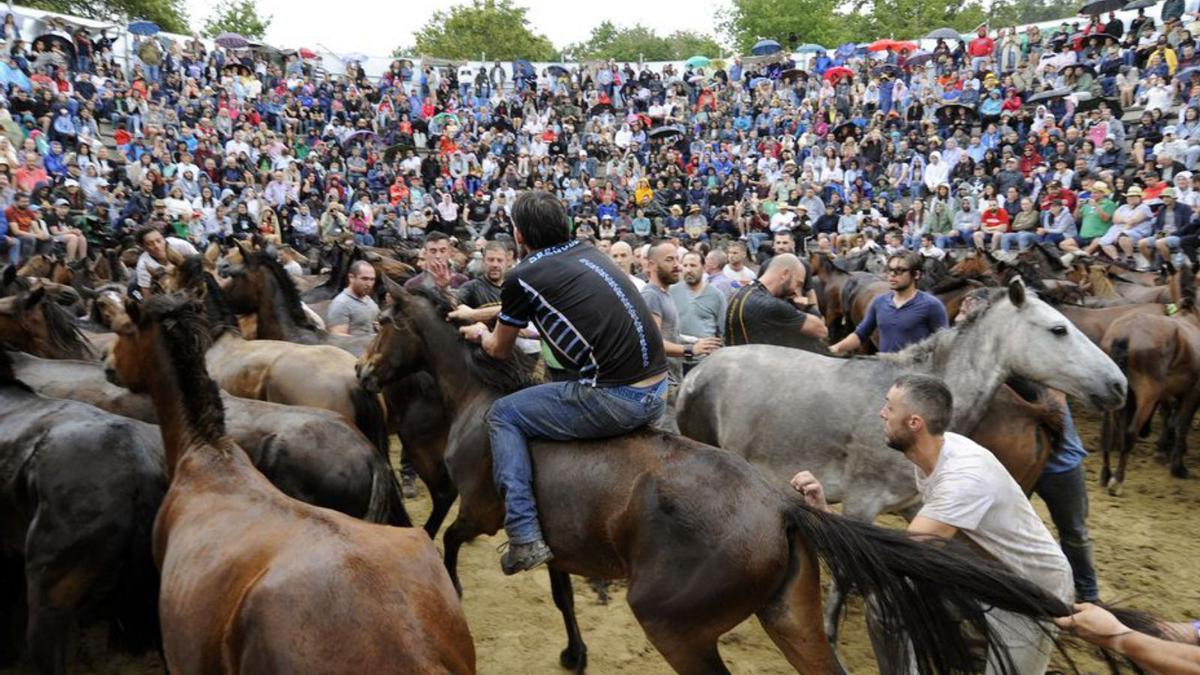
(609, 41)
(237, 16)
(493, 27)
(170, 15)
(748, 21)
(911, 19)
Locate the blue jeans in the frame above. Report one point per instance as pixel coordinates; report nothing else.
(559, 411)
(1065, 494)
(1023, 240)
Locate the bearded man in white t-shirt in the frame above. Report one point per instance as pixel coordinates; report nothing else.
(966, 490)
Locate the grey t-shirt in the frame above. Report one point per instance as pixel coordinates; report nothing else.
(702, 314)
(357, 314)
(662, 305)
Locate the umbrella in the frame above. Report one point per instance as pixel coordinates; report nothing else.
(759, 81)
(810, 48)
(889, 68)
(1187, 73)
(1049, 94)
(306, 53)
(354, 57)
(838, 73)
(956, 110)
(1141, 4)
(919, 59)
(792, 74)
(844, 130)
(232, 41)
(846, 51)
(360, 135)
(600, 108)
(698, 62)
(523, 68)
(943, 34)
(390, 152)
(899, 46)
(881, 45)
(1097, 7)
(237, 67)
(144, 28)
(665, 132)
(557, 71)
(765, 47)
(59, 38)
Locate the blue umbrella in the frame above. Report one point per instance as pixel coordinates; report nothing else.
(557, 71)
(810, 48)
(846, 50)
(523, 68)
(764, 47)
(760, 80)
(232, 41)
(144, 28)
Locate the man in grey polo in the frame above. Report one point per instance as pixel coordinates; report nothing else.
(701, 307)
(353, 311)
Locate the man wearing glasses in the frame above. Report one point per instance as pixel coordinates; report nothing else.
(904, 316)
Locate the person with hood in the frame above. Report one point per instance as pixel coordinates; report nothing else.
(936, 172)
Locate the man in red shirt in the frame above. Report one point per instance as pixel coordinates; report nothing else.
(1056, 191)
(27, 177)
(980, 49)
(993, 222)
(24, 225)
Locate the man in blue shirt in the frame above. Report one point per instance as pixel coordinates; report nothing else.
(904, 316)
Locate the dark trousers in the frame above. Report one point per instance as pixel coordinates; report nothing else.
(1066, 498)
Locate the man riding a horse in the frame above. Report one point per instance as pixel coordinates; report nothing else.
(595, 323)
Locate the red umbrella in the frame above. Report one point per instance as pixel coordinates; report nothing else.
(904, 47)
(306, 53)
(837, 73)
(881, 45)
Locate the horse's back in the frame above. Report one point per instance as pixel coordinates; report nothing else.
(246, 570)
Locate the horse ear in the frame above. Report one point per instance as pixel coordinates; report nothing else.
(133, 309)
(1016, 291)
(242, 249)
(393, 289)
(35, 296)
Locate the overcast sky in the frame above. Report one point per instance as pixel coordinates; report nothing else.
(375, 27)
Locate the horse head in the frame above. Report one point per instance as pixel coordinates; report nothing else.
(1026, 337)
(398, 349)
(31, 324)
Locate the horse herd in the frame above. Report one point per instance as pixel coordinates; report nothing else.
(230, 500)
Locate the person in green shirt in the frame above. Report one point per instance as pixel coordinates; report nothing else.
(1094, 216)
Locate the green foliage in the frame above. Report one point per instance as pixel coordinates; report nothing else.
(170, 15)
(495, 27)
(748, 21)
(911, 19)
(609, 41)
(237, 16)
(1017, 12)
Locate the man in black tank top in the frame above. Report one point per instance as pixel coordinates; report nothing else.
(595, 323)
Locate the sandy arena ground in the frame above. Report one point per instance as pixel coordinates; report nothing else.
(1146, 551)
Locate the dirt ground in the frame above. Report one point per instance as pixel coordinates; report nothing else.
(1146, 552)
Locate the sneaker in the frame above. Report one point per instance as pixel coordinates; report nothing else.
(522, 557)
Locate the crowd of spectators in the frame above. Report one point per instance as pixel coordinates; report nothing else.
(1002, 140)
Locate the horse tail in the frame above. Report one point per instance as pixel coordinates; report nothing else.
(370, 418)
(1118, 351)
(386, 504)
(929, 598)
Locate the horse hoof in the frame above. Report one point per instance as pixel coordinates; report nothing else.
(1115, 487)
(1179, 471)
(1104, 477)
(574, 659)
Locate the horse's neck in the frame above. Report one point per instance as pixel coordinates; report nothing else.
(275, 320)
(171, 404)
(447, 364)
(967, 365)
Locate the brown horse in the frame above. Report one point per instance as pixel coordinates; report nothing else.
(32, 323)
(248, 572)
(699, 562)
(318, 376)
(1161, 358)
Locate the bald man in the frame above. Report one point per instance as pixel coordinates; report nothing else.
(622, 254)
(768, 310)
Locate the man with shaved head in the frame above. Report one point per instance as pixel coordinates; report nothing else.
(622, 254)
(768, 310)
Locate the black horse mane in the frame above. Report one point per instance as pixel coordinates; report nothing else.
(186, 338)
(504, 376)
(197, 280)
(287, 286)
(8, 376)
(63, 332)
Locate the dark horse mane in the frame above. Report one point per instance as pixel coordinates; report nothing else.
(185, 337)
(503, 376)
(62, 330)
(196, 280)
(287, 286)
(8, 376)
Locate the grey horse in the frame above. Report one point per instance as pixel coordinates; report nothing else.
(788, 410)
